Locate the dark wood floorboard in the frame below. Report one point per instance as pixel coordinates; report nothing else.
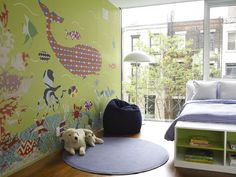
(53, 166)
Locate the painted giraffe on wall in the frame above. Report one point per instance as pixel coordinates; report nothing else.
(81, 59)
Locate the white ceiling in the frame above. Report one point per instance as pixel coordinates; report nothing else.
(123, 4)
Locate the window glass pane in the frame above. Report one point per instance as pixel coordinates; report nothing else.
(231, 69)
(155, 43)
(134, 42)
(175, 42)
(231, 41)
(222, 43)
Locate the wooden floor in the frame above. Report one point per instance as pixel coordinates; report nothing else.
(53, 166)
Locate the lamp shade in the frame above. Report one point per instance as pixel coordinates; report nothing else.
(137, 57)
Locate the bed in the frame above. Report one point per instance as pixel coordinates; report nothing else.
(207, 101)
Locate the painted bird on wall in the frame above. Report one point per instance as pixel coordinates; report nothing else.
(81, 59)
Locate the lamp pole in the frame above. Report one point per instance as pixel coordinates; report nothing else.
(137, 57)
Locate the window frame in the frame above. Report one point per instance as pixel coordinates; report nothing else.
(229, 66)
(153, 44)
(136, 36)
(231, 32)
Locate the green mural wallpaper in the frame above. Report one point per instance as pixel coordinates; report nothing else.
(59, 66)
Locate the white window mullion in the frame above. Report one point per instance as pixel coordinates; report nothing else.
(206, 41)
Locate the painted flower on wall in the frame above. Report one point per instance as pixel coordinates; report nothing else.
(3, 55)
(6, 44)
(77, 111)
(6, 39)
(88, 105)
(20, 61)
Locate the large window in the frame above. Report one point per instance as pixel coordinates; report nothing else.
(183, 47)
(172, 39)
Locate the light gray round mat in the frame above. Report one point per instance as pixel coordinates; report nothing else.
(119, 156)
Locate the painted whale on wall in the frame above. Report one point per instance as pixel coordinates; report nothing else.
(81, 59)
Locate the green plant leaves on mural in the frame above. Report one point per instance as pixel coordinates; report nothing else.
(29, 30)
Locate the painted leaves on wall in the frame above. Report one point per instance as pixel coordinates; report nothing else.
(29, 30)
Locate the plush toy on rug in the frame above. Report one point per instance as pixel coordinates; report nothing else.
(74, 139)
(91, 139)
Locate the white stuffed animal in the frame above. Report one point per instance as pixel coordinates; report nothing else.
(74, 139)
(91, 139)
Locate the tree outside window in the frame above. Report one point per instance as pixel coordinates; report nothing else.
(166, 78)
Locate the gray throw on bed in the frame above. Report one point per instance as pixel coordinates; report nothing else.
(210, 111)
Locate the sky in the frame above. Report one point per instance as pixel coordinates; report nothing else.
(159, 14)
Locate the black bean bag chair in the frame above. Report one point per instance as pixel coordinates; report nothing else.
(121, 117)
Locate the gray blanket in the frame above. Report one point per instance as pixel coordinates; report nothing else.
(211, 111)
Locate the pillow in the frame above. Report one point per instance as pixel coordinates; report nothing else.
(204, 90)
(228, 90)
(189, 90)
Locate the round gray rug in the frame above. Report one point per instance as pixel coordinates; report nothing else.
(119, 156)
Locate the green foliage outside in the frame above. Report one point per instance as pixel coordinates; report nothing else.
(175, 63)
